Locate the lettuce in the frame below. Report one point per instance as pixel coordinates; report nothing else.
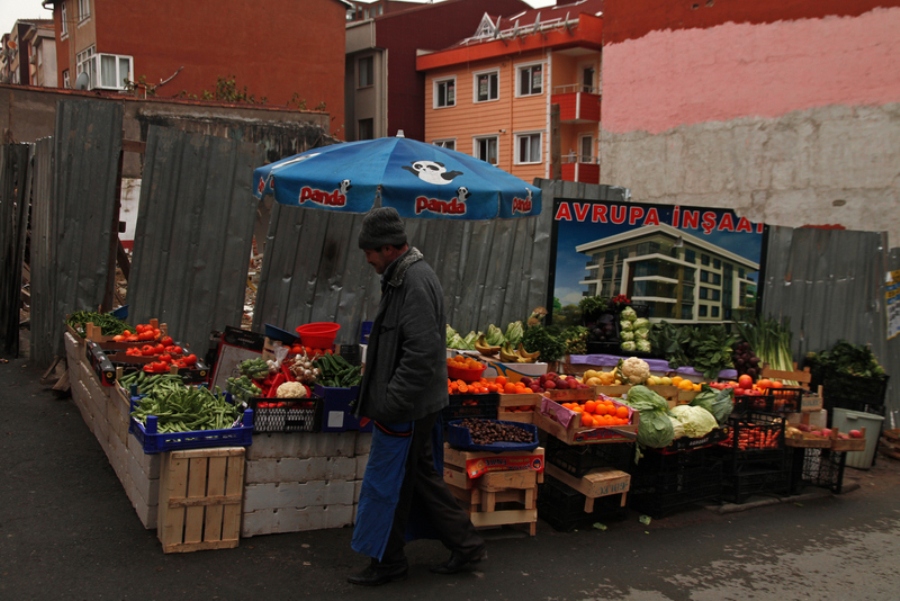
(697, 421)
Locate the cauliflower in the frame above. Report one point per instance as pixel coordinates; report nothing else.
(634, 370)
(291, 390)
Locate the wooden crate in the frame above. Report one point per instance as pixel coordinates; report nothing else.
(508, 401)
(574, 433)
(505, 492)
(200, 495)
(599, 482)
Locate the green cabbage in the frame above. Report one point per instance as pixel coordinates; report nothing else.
(718, 402)
(677, 427)
(514, 333)
(626, 326)
(469, 340)
(643, 346)
(628, 346)
(643, 399)
(697, 421)
(628, 314)
(641, 334)
(494, 335)
(641, 322)
(626, 336)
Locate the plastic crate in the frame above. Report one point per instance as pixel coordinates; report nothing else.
(471, 405)
(818, 467)
(153, 442)
(563, 507)
(739, 486)
(777, 400)
(664, 483)
(578, 460)
(856, 389)
(460, 437)
(336, 412)
(685, 444)
(755, 436)
(287, 415)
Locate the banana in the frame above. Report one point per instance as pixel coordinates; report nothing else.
(488, 350)
(508, 355)
(530, 357)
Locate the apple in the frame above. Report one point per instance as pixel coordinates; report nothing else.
(745, 381)
(803, 427)
(826, 432)
(855, 434)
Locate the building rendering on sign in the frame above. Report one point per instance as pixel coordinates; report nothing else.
(680, 277)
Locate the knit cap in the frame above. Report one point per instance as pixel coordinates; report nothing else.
(380, 227)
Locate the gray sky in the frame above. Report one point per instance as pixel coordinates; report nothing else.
(13, 10)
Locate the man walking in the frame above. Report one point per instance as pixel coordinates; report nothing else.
(403, 390)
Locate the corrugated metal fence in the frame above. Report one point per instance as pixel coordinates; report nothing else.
(194, 239)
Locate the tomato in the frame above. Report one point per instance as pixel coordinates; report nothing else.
(167, 341)
(165, 358)
(190, 359)
(145, 335)
(745, 381)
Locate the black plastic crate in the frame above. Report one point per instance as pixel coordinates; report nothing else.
(754, 435)
(563, 507)
(669, 483)
(286, 415)
(818, 467)
(471, 405)
(777, 400)
(739, 486)
(578, 460)
(856, 389)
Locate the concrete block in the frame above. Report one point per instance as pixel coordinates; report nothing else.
(147, 488)
(291, 469)
(296, 495)
(357, 487)
(148, 464)
(363, 443)
(361, 462)
(302, 445)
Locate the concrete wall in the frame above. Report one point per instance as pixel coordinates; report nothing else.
(789, 115)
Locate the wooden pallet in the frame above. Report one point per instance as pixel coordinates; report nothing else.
(200, 495)
(497, 497)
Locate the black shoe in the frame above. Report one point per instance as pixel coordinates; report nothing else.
(375, 575)
(459, 561)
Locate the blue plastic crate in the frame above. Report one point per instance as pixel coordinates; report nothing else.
(336, 413)
(460, 437)
(153, 442)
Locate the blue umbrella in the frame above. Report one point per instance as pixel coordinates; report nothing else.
(416, 178)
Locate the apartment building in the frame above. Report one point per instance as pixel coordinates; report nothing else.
(286, 53)
(522, 92)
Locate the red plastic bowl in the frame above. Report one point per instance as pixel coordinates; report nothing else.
(465, 374)
(320, 334)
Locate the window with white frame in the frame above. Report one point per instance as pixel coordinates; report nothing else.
(486, 149)
(528, 148)
(65, 20)
(67, 83)
(105, 71)
(487, 86)
(530, 80)
(449, 144)
(84, 10)
(445, 92)
(366, 66)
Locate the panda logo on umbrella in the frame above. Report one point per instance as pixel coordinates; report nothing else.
(432, 172)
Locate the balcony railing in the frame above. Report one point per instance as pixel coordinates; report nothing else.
(576, 105)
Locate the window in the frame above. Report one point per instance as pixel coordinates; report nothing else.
(528, 148)
(65, 20)
(717, 279)
(704, 293)
(106, 71)
(715, 311)
(702, 310)
(531, 80)
(365, 129)
(487, 86)
(366, 77)
(704, 259)
(717, 263)
(690, 255)
(486, 149)
(84, 9)
(67, 83)
(587, 79)
(448, 144)
(587, 149)
(445, 93)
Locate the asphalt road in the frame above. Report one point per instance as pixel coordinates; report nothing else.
(68, 531)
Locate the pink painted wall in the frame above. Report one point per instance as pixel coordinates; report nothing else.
(688, 76)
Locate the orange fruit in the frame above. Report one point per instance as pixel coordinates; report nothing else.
(509, 388)
(500, 380)
(577, 408)
(601, 409)
(586, 420)
(590, 406)
(622, 411)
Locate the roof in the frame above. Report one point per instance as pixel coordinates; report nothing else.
(537, 20)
